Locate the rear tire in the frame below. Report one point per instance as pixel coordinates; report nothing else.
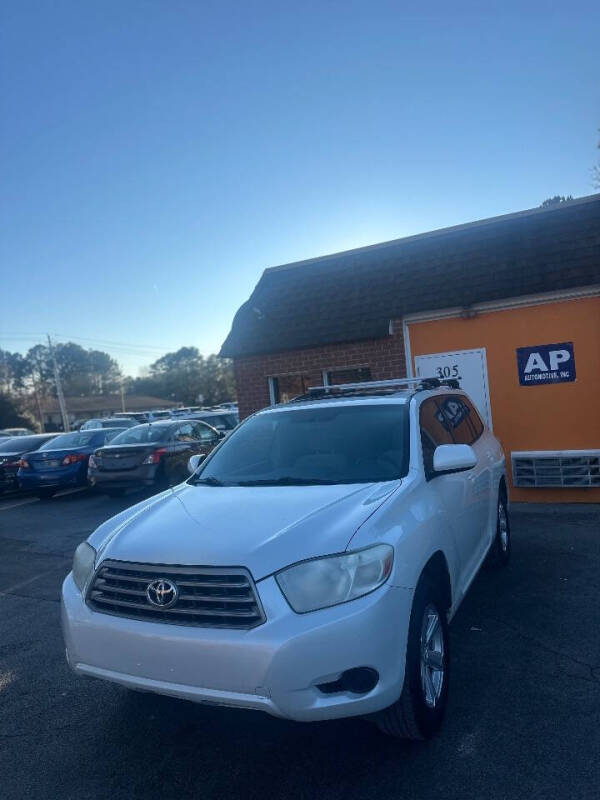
(499, 553)
(419, 711)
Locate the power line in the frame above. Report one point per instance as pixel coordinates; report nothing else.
(130, 345)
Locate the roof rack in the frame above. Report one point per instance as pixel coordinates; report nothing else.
(376, 387)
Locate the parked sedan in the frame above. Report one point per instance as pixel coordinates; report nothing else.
(16, 432)
(222, 420)
(154, 454)
(11, 452)
(61, 462)
(108, 422)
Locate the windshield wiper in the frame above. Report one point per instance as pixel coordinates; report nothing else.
(208, 481)
(287, 480)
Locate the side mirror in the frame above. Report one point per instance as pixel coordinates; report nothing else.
(195, 462)
(222, 434)
(453, 458)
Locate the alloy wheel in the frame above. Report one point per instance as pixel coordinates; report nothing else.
(432, 656)
(503, 527)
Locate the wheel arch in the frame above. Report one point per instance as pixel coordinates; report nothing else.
(437, 571)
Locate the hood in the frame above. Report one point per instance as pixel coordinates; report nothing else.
(262, 528)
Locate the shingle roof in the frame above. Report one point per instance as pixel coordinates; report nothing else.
(353, 295)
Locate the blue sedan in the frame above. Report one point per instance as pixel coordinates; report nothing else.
(62, 462)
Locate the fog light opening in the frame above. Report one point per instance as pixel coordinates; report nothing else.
(359, 680)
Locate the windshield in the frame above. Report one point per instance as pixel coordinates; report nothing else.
(21, 444)
(78, 439)
(334, 444)
(142, 434)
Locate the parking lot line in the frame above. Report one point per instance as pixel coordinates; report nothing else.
(31, 580)
(65, 492)
(20, 503)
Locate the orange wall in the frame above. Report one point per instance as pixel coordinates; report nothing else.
(564, 416)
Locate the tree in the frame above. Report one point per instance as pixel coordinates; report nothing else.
(185, 375)
(556, 200)
(10, 416)
(83, 372)
(13, 372)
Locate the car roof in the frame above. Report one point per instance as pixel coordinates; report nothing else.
(368, 393)
(161, 423)
(401, 398)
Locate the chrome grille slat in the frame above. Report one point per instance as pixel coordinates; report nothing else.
(104, 587)
(247, 597)
(223, 597)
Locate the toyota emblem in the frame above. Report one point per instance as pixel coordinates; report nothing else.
(162, 593)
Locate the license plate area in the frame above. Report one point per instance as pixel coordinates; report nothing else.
(53, 464)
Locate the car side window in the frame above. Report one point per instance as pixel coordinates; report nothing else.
(203, 433)
(184, 433)
(434, 432)
(457, 414)
(474, 418)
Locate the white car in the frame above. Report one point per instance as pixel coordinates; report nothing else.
(310, 565)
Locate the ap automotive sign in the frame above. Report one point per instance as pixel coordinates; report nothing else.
(546, 363)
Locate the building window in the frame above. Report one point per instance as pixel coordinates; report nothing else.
(333, 377)
(283, 388)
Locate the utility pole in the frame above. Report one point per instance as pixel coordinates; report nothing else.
(59, 391)
(39, 406)
(122, 396)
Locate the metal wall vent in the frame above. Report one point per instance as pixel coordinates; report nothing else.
(556, 468)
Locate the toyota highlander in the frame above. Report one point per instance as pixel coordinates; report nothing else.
(310, 565)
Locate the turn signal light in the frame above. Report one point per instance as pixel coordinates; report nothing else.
(154, 458)
(23, 464)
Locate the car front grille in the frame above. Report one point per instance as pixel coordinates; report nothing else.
(209, 597)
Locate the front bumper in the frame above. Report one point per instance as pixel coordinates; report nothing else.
(275, 667)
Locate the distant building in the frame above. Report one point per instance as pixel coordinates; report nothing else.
(97, 406)
(509, 305)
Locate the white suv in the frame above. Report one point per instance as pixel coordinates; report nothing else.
(310, 565)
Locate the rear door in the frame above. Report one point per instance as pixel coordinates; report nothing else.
(465, 426)
(457, 495)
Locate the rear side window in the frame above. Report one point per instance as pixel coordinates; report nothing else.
(184, 433)
(203, 432)
(434, 432)
(474, 418)
(460, 418)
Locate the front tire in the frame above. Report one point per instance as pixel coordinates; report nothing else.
(419, 711)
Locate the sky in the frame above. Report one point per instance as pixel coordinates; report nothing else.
(156, 156)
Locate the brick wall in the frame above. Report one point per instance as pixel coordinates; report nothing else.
(385, 357)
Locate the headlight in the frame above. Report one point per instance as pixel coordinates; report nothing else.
(328, 581)
(83, 564)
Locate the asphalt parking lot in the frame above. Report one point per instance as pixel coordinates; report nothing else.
(523, 721)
